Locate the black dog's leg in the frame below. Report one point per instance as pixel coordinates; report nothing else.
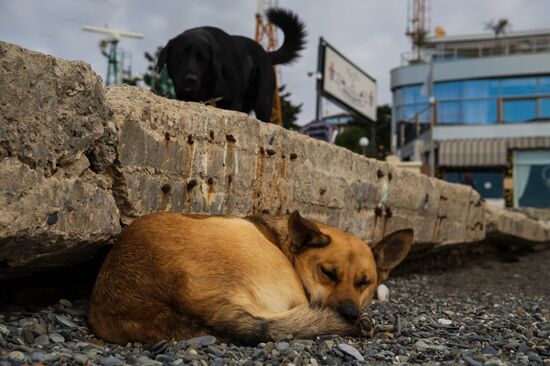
(263, 110)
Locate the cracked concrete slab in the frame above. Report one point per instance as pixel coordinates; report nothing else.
(78, 162)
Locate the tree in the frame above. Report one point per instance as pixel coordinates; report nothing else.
(499, 27)
(160, 83)
(289, 111)
(378, 133)
(349, 138)
(383, 131)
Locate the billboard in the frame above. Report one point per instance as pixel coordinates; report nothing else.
(346, 84)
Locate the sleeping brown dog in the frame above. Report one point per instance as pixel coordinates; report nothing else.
(176, 276)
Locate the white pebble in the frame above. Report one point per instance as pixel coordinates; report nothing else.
(445, 321)
(383, 293)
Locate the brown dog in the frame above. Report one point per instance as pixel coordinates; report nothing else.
(175, 276)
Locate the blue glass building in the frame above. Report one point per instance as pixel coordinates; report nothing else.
(490, 110)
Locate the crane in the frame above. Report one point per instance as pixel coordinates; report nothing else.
(266, 35)
(108, 47)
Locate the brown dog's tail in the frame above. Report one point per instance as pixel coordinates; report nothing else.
(302, 322)
(295, 35)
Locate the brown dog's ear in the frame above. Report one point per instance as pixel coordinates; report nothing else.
(391, 250)
(305, 234)
(163, 56)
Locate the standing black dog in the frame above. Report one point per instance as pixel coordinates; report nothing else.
(205, 64)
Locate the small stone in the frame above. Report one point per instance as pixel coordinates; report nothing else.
(163, 358)
(534, 357)
(495, 362)
(313, 362)
(145, 361)
(444, 321)
(282, 346)
(338, 353)
(422, 346)
(489, 350)
(57, 338)
(4, 330)
(52, 357)
(215, 350)
(524, 348)
(383, 293)
(66, 322)
(470, 361)
(201, 341)
(27, 335)
(42, 340)
(66, 303)
(111, 361)
(38, 356)
(350, 350)
(80, 358)
(17, 356)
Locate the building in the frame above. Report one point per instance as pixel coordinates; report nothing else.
(328, 128)
(490, 108)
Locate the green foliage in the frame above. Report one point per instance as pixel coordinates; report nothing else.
(499, 27)
(378, 133)
(289, 111)
(160, 83)
(349, 138)
(383, 131)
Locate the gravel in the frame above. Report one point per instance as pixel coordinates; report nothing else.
(490, 314)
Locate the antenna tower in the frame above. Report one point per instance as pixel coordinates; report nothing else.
(266, 35)
(418, 23)
(108, 47)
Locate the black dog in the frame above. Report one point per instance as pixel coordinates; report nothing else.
(208, 64)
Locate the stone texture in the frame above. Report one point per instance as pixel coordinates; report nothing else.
(514, 227)
(54, 209)
(76, 161)
(193, 158)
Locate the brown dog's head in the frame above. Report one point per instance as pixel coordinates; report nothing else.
(338, 269)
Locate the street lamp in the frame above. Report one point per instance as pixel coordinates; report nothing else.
(364, 142)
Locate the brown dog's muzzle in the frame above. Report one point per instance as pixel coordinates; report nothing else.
(348, 310)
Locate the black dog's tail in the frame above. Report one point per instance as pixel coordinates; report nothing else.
(295, 35)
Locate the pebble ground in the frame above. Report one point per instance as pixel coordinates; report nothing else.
(490, 314)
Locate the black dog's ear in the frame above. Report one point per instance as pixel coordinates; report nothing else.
(163, 56)
(216, 58)
(305, 234)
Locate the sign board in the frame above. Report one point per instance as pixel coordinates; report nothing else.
(346, 84)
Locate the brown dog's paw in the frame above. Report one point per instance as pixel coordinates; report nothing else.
(366, 325)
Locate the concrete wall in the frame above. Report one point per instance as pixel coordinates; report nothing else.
(77, 163)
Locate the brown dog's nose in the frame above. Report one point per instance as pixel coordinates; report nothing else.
(348, 311)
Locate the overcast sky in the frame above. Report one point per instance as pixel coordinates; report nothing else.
(369, 32)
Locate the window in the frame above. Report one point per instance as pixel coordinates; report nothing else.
(520, 110)
(519, 86)
(481, 88)
(544, 108)
(410, 113)
(480, 111)
(450, 112)
(448, 90)
(532, 178)
(544, 85)
(489, 184)
(480, 101)
(411, 95)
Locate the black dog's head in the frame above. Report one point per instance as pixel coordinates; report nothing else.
(193, 64)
